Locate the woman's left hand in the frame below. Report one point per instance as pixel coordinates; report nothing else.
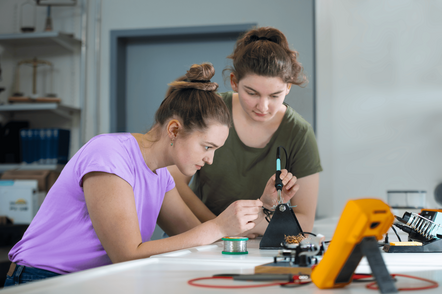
(270, 195)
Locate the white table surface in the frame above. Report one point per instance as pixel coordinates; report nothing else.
(169, 273)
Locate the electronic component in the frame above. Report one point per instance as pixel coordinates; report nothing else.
(422, 225)
(297, 257)
(425, 228)
(362, 223)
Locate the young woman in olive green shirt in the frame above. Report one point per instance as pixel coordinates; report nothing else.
(264, 69)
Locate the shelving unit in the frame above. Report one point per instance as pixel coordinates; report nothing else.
(46, 114)
(55, 39)
(67, 41)
(20, 166)
(59, 109)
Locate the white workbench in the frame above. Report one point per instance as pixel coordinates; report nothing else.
(169, 273)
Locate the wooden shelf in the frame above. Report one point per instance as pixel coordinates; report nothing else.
(20, 166)
(67, 41)
(62, 110)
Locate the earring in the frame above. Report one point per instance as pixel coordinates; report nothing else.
(171, 144)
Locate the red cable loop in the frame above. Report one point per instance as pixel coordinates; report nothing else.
(192, 283)
(371, 286)
(434, 284)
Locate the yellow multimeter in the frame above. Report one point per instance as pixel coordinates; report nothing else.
(362, 223)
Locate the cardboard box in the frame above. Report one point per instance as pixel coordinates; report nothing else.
(45, 178)
(19, 200)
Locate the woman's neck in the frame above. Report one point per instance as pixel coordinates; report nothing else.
(154, 150)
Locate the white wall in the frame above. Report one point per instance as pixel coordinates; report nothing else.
(379, 70)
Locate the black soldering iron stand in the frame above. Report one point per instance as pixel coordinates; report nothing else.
(283, 223)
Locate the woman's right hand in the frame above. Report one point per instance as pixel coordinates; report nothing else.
(290, 187)
(238, 217)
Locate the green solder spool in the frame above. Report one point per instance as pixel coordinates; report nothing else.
(235, 245)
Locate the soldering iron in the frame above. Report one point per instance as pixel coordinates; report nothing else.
(278, 181)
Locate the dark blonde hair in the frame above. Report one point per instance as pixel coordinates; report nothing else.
(193, 99)
(266, 52)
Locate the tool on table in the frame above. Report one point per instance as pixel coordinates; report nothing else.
(235, 245)
(284, 221)
(297, 256)
(258, 277)
(362, 223)
(424, 232)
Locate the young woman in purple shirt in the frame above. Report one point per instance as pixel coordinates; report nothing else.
(105, 204)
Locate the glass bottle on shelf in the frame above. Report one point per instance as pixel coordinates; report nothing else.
(27, 16)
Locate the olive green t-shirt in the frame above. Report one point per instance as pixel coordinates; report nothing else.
(241, 172)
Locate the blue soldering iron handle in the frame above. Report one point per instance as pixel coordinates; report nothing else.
(278, 181)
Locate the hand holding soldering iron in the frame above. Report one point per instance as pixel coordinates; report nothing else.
(270, 197)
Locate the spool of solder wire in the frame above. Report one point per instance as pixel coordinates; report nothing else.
(235, 245)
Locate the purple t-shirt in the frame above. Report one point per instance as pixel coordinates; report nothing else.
(61, 238)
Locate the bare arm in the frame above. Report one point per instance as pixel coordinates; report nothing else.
(306, 200)
(176, 223)
(192, 201)
(111, 206)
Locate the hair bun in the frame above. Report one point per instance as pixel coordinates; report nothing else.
(255, 38)
(197, 77)
(200, 72)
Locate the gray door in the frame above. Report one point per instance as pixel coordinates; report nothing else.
(152, 64)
